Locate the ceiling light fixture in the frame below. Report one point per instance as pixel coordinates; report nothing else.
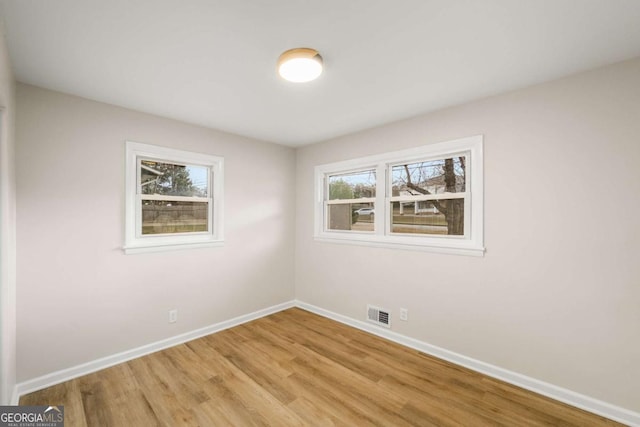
(300, 65)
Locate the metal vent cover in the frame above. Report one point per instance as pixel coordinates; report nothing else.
(379, 316)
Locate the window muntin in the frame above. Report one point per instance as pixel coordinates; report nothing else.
(174, 199)
(426, 198)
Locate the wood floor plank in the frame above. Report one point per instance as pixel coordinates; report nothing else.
(332, 405)
(67, 394)
(311, 413)
(544, 408)
(368, 406)
(295, 368)
(252, 396)
(266, 375)
(211, 414)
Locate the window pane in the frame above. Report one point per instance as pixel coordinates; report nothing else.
(352, 216)
(174, 180)
(428, 217)
(161, 217)
(430, 177)
(353, 185)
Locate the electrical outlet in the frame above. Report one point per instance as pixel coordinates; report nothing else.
(173, 316)
(404, 314)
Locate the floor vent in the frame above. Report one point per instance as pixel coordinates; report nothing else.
(379, 316)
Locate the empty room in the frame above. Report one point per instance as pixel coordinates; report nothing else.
(331, 213)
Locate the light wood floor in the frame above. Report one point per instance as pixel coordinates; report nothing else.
(296, 368)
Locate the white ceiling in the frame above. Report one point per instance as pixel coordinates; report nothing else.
(212, 62)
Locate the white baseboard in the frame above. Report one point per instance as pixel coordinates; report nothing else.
(86, 368)
(14, 396)
(569, 397)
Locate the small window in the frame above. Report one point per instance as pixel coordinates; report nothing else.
(427, 198)
(351, 201)
(174, 199)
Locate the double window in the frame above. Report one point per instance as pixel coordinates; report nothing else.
(174, 199)
(427, 198)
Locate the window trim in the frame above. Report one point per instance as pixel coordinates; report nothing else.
(135, 242)
(471, 244)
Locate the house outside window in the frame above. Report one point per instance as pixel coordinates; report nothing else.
(174, 199)
(426, 198)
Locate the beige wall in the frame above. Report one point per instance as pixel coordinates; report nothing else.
(79, 297)
(556, 295)
(7, 228)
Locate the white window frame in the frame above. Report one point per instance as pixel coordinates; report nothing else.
(135, 241)
(327, 202)
(472, 243)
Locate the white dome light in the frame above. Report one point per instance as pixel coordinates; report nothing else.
(300, 65)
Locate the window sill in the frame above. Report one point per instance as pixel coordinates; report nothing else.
(446, 247)
(146, 248)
